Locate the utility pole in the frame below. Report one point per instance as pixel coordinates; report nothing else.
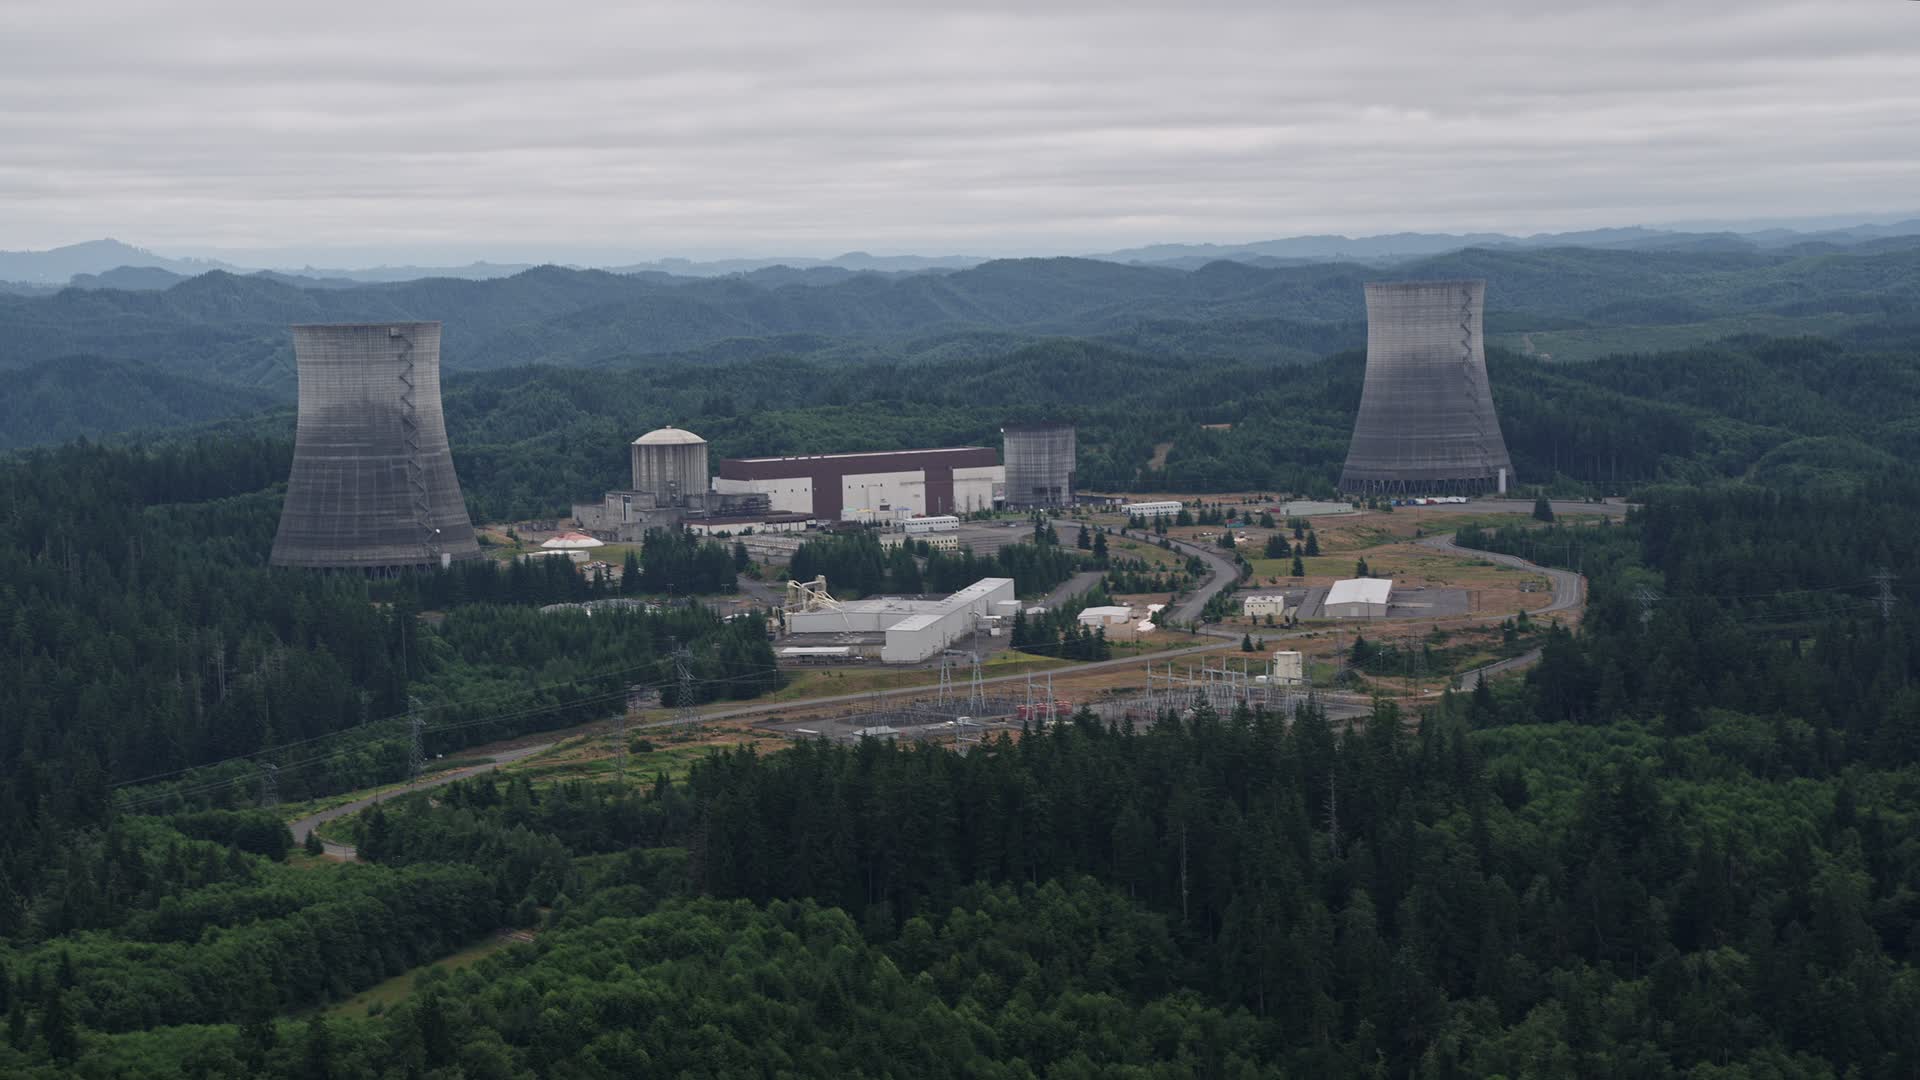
(1885, 600)
(416, 749)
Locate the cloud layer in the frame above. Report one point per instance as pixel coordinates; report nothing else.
(427, 127)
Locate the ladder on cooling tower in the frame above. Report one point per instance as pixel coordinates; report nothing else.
(1466, 373)
(410, 438)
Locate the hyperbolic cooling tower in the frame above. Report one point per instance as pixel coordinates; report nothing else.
(372, 486)
(1040, 465)
(1426, 420)
(672, 464)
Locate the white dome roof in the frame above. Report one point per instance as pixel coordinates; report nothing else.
(668, 436)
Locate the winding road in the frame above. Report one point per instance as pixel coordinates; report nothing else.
(1223, 571)
(1569, 593)
(304, 826)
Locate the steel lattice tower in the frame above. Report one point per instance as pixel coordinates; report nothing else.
(1426, 423)
(372, 486)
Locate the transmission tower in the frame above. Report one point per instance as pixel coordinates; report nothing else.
(620, 741)
(1647, 597)
(1885, 600)
(976, 690)
(945, 693)
(687, 715)
(416, 747)
(269, 785)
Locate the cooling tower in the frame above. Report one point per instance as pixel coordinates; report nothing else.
(372, 486)
(1426, 422)
(672, 464)
(1040, 465)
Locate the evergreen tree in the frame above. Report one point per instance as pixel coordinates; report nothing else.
(1313, 543)
(1542, 509)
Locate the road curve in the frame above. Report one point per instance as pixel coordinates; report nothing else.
(1223, 571)
(304, 826)
(1569, 593)
(1569, 588)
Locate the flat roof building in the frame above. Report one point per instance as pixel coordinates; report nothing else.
(875, 486)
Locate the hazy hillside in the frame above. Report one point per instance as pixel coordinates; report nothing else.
(61, 399)
(231, 330)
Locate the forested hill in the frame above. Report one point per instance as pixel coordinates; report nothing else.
(226, 329)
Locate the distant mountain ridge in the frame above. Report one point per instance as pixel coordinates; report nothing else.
(89, 264)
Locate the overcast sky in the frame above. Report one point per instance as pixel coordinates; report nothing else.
(580, 131)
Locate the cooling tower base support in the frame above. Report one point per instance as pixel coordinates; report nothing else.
(1483, 485)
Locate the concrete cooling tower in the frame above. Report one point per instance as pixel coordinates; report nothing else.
(1426, 422)
(1040, 465)
(372, 486)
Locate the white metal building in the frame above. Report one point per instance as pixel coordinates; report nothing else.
(1150, 510)
(1117, 621)
(914, 629)
(937, 523)
(1358, 598)
(1259, 607)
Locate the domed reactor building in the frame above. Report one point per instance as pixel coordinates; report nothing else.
(372, 486)
(1426, 423)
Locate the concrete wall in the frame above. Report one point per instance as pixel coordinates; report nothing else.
(973, 488)
(1356, 611)
(790, 495)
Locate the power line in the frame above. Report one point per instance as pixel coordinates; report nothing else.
(204, 787)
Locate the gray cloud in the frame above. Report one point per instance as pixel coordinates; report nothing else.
(425, 127)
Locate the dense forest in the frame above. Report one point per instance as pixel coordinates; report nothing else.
(1680, 846)
(1614, 867)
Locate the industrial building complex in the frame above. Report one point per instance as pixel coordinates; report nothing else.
(1426, 423)
(896, 631)
(869, 487)
(670, 488)
(372, 486)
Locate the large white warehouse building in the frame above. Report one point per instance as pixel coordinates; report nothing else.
(871, 487)
(915, 629)
(1358, 598)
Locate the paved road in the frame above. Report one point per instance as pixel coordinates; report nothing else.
(1569, 593)
(306, 825)
(1569, 588)
(1072, 587)
(1223, 572)
(1471, 679)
